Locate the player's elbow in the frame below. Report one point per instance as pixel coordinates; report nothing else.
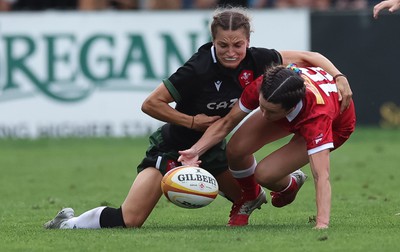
(310, 56)
(147, 106)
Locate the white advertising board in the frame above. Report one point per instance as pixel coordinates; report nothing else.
(86, 74)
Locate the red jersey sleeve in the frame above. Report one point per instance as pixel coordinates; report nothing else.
(249, 99)
(318, 133)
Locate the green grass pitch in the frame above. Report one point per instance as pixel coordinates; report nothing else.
(39, 177)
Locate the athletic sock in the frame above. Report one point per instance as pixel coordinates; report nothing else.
(111, 217)
(247, 181)
(89, 219)
(292, 186)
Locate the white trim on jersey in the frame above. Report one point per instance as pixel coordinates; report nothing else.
(159, 158)
(320, 148)
(243, 108)
(292, 115)
(213, 54)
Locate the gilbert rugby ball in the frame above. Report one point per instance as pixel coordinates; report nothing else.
(189, 187)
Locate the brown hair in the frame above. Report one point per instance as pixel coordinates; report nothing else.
(282, 86)
(231, 18)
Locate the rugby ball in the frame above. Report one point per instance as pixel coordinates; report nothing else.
(189, 187)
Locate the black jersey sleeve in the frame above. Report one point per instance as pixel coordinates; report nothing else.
(185, 81)
(180, 82)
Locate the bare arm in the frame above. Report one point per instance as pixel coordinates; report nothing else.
(213, 135)
(304, 59)
(392, 5)
(157, 106)
(320, 166)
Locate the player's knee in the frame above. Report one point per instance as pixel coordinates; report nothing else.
(264, 178)
(133, 216)
(133, 221)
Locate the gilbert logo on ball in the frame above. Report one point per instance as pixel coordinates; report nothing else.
(189, 187)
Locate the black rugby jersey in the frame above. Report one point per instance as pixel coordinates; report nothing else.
(203, 86)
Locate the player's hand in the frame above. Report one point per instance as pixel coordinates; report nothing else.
(322, 222)
(320, 226)
(201, 121)
(189, 157)
(392, 5)
(345, 93)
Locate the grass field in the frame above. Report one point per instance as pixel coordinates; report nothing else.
(40, 177)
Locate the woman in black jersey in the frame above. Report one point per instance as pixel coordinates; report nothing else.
(204, 89)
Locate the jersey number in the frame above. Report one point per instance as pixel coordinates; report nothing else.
(319, 77)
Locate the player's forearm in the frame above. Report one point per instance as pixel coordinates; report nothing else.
(164, 112)
(213, 135)
(317, 59)
(320, 166)
(323, 197)
(306, 59)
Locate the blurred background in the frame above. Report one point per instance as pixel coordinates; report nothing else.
(81, 68)
(96, 5)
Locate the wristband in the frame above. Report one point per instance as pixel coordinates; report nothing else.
(191, 126)
(339, 75)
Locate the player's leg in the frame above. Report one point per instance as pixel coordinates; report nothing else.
(254, 133)
(215, 162)
(279, 171)
(228, 186)
(142, 197)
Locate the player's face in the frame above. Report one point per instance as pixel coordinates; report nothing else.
(230, 46)
(272, 111)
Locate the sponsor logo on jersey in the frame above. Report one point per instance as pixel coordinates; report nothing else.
(318, 138)
(246, 77)
(222, 104)
(217, 84)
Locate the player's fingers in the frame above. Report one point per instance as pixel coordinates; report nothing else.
(215, 118)
(376, 11)
(377, 8)
(340, 95)
(182, 152)
(345, 104)
(394, 8)
(197, 163)
(343, 107)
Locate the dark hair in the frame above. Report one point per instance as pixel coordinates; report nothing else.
(231, 18)
(282, 86)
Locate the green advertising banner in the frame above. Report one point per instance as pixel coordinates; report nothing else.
(86, 74)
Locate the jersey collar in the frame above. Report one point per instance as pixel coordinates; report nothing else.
(213, 54)
(292, 115)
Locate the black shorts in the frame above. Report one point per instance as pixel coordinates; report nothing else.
(164, 157)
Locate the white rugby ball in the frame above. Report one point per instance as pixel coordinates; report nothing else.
(189, 187)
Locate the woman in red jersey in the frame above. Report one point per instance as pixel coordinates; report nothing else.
(303, 102)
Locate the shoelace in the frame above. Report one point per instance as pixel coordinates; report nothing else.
(235, 208)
